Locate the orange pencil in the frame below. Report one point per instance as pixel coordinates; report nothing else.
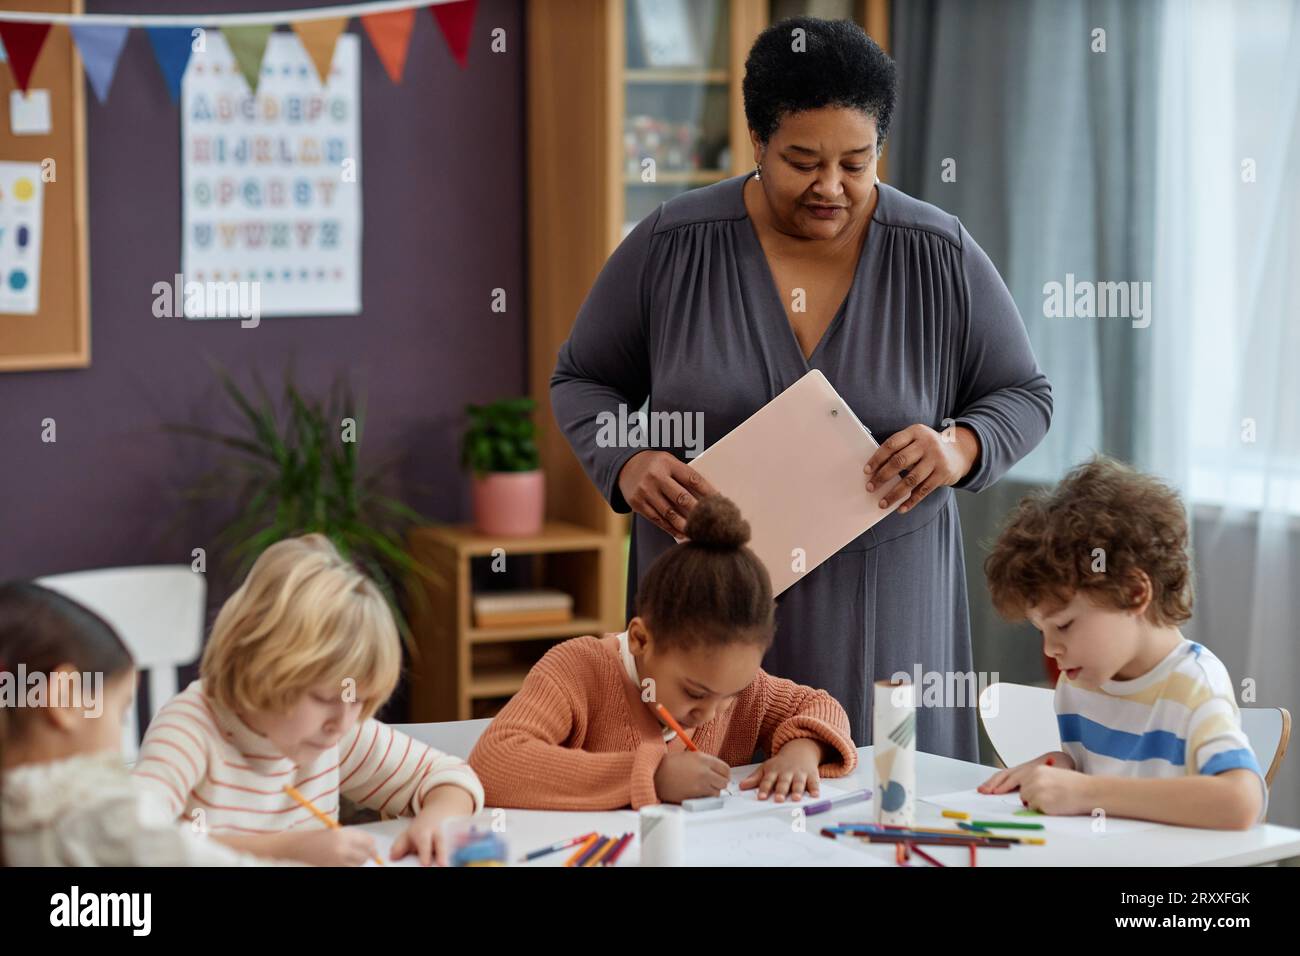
(585, 845)
(328, 821)
(671, 721)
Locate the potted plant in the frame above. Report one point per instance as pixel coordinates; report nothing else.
(292, 469)
(508, 485)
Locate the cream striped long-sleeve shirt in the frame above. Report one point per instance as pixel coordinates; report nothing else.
(200, 756)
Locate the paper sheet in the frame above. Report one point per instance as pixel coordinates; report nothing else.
(745, 803)
(1007, 806)
(770, 841)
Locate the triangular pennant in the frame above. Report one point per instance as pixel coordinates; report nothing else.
(318, 38)
(100, 48)
(456, 20)
(248, 44)
(171, 48)
(23, 42)
(390, 34)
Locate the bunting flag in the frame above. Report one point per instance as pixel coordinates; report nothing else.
(100, 48)
(248, 45)
(171, 48)
(390, 34)
(23, 42)
(456, 20)
(101, 41)
(318, 38)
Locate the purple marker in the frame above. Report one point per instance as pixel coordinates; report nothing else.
(821, 806)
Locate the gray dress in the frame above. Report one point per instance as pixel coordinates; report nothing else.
(687, 314)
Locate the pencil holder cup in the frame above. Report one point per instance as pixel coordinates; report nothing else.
(893, 745)
(475, 841)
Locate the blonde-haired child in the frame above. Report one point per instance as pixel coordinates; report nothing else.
(66, 798)
(299, 660)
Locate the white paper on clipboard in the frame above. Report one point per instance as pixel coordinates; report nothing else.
(794, 469)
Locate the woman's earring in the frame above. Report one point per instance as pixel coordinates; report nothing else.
(758, 171)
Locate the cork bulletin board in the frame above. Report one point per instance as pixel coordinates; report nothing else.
(57, 335)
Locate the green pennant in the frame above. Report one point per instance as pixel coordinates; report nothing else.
(248, 44)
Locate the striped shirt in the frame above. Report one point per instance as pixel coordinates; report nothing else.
(1179, 718)
(199, 756)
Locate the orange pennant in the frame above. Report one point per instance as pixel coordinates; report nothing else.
(390, 34)
(318, 38)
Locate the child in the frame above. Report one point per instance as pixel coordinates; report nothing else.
(581, 735)
(299, 659)
(66, 799)
(1148, 719)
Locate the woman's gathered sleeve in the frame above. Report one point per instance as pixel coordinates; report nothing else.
(605, 363)
(1003, 396)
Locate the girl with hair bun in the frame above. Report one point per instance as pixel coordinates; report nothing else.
(583, 732)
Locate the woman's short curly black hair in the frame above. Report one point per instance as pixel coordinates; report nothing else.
(837, 65)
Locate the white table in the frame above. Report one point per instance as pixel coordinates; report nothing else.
(1158, 846)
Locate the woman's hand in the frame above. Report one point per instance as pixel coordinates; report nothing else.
(662, 489)
(423, 837)
(930, 459)
(792, 772)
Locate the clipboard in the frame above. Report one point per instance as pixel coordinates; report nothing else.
(794, 469)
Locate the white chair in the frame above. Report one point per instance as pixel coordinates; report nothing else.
(159, 613)
(455, 737)
(1021, 724)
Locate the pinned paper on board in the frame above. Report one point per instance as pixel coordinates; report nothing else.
(29, 113)
(21, 211)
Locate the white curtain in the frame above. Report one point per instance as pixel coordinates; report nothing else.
(1222, 421)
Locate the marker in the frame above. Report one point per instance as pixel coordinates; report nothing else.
(821, 806)
(702, 803)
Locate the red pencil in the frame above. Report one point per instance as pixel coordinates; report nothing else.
(618, 849)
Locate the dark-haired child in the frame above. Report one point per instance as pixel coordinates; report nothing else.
(581, 733)
(67, 799)
(1148, 720)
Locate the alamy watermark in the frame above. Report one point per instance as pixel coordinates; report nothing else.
(56, 689)
(640, 429)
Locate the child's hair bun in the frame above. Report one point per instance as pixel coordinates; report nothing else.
(715, 523)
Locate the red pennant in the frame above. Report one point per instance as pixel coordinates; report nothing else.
(23, 42)
(456, 20)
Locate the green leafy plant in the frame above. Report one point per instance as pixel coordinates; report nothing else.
(293, 469)
(500, 437)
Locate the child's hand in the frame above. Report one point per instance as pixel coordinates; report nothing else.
(1004, 781)
(423, 836)
(685, 775)
(1057, 792)
(347, 846)
(792, 771)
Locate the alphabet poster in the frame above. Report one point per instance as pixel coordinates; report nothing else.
(272, 180)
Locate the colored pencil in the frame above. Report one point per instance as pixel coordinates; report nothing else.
(555, 847)
(586, 844)
(330, 822)
(615, 853)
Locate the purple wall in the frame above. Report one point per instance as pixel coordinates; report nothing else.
(444, 216)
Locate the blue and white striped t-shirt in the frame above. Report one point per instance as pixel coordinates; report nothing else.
(1179, 718)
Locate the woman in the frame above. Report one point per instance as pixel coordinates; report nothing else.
(727, 295)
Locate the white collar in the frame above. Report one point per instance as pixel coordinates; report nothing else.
(629, 665)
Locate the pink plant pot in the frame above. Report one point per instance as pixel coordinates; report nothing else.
(509, 504)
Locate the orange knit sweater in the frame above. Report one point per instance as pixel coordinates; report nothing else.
(577, 735)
